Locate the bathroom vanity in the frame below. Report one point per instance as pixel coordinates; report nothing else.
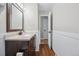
(15, 23)
(14, 43)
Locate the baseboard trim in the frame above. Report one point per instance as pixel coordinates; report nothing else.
(56, 55)
(37, 50)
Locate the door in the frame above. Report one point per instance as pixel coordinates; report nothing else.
(50, 30)
(44, 27)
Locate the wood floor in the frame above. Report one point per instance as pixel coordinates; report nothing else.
(44, 50)
(44, 41)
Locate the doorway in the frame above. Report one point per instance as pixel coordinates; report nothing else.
(44, 29)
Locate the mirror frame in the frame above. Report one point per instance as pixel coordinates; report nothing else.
(8, 15)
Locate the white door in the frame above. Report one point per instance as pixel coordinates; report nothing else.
(50, 30)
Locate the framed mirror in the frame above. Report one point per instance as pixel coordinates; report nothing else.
(14, 16)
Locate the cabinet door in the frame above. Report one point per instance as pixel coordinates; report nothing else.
(11, 47)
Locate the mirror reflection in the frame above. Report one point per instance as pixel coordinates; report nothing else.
(14, 17)
(16, 22)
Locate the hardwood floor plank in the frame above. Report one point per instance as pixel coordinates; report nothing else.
(45, 51)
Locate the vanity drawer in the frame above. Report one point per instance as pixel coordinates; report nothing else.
(11, 48)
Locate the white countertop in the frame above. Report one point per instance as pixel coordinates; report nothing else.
(23, 37)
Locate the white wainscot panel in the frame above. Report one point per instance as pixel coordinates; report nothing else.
(2, 45)
(66, 44)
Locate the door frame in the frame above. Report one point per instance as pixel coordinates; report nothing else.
(50, 30)
(51, 27)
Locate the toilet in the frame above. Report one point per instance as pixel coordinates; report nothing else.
(19, 54)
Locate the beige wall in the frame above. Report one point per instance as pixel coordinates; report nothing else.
(66, 17)
(3, 19)
(31, 21)
(30, 17)
(2, 29)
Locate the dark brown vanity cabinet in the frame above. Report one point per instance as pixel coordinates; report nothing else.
(32, 47)
(13, 46)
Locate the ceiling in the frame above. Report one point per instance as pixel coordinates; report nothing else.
(45, 6)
